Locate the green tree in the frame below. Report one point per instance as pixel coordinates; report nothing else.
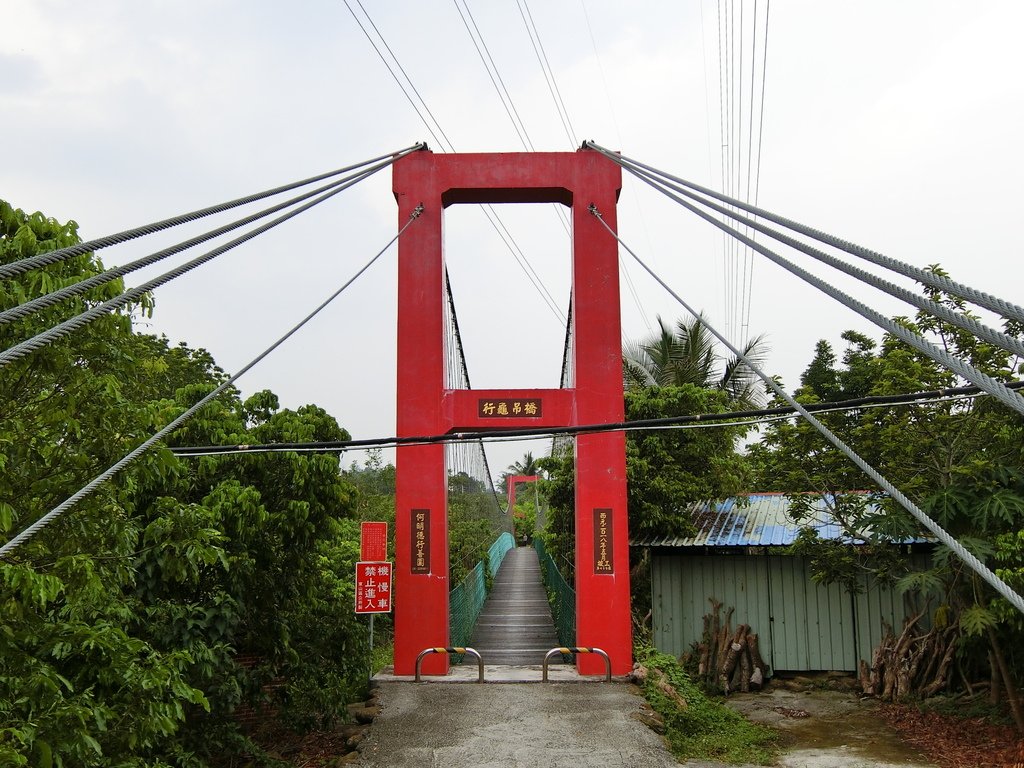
(666, 470)
(528, 465)
(135, 624)
(687, 354)
(962, 461)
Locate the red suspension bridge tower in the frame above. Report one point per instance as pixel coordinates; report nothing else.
(576, 180)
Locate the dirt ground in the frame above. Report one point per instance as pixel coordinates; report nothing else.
(829, 729)
(837, 729)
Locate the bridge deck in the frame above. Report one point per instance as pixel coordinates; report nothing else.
(515, 625)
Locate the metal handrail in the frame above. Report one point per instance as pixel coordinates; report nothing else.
(470, 651)
(598, 651)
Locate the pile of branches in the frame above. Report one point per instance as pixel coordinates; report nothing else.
(915, 664)
(729, 660)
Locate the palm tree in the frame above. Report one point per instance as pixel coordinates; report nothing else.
(686, 354)
(527, 466)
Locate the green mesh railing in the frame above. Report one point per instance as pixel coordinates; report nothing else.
(467, 599)
(561, 596)
(496, 554)
(464, 604)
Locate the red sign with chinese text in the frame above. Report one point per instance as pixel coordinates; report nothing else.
(603, 541)
(504, 408)
(373, 587)
(420, 541)
(373, 541)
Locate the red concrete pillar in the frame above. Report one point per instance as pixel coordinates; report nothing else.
(602, 537)
(421, 519)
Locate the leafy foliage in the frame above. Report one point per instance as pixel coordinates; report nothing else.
(962, 461)
(134, 626)
(704, 729)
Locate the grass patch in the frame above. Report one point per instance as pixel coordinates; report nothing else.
(381, 657)
(704, 729)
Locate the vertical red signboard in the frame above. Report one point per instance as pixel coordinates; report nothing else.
(373, 541)
(373, 587)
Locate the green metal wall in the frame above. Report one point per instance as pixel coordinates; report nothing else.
(800, 625)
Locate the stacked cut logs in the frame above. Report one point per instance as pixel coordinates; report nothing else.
(729, 660)
(915, 664)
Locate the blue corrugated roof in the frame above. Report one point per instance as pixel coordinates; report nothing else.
(758, 520)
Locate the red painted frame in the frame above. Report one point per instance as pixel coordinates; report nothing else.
(513, 481)
(577, 180)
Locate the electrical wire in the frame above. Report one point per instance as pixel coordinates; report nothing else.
(446, 145)
(126, 460)
(549, 73)
(691, 421)
(499, 84)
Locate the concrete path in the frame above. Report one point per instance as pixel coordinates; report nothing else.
(515, 625)
(511, 725)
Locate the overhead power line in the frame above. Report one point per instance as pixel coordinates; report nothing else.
(433, 126)
(129, 458)
(549, 73)
(938, 531)
(732, 418)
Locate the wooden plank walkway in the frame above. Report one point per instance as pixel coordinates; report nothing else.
(515, 625)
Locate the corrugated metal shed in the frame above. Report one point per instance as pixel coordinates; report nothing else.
(758, 520)
(736, 558)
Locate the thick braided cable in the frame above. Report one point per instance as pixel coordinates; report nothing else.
(994, 303)
(96, 482)
(62, 254)
(995, 388)
(938, 531)
(968, 323)
(68, 326)
(77, 289)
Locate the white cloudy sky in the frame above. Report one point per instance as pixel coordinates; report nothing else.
(893, 124)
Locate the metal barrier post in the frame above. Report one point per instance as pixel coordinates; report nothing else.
(598, 651)
(470, 651)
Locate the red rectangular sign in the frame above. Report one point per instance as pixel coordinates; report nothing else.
(373, 587)
(373, 541)
(507, 407)
(421, 541)
(603, 541)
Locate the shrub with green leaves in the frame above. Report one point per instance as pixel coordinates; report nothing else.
(704, 729)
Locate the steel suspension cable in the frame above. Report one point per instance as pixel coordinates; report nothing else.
(961, 320)
(995, 304)
(72, 324)
(938, 531)
(62, 254)
(76, 289)
(108, 473)
(966, 370)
